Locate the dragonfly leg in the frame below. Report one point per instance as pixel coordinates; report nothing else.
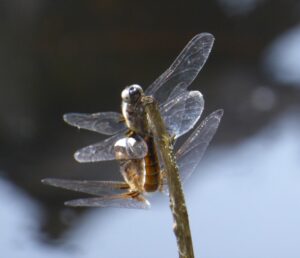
(130, 133)
(121, 119)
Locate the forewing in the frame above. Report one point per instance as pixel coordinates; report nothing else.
(183, 70)
(182, 112)
(191, 152)
(114, 201)
(100, 151)
(107, 123)
(90, 187)
(130, 148)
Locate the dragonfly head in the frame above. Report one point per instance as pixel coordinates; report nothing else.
(132, 93)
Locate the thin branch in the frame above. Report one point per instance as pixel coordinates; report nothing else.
(177, 203)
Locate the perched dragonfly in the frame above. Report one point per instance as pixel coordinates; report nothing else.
(121, 194)
(135, 149)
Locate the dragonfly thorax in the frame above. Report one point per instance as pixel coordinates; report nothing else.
(132, 110)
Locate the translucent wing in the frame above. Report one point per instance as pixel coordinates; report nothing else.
(183, 70)
(130, 148)
(180, 115)
(90, 187)
(182, 112)
(178, 111)
(100, 151)
(115, 201)
(107, 123)
(191, 152)
(105, 150)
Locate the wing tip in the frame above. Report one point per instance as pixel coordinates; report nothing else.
(51, 181)
(78, 157)
(207, 35)
(55, 182)
(219, 113)
(216, 115)
(199, 95)
(45, 181)
(66, 117)
(195, 93)
(72, 203)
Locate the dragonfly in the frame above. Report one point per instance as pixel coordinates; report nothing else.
(180, 109)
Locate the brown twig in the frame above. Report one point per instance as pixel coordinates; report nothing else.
(177, 202)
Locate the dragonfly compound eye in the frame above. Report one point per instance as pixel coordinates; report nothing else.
(132, 93)
(135, 91)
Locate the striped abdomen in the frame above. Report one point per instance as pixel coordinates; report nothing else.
(152, 177)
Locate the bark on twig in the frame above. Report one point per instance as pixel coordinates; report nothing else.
(177, 202)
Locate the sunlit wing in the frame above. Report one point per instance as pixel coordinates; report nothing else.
(183, 70)
(191, 152)
(98, 188)
(107, 123)
(182, 113)
(100, 151)
(105, 150)
(133, 147)
(182, 110)
(114, 201)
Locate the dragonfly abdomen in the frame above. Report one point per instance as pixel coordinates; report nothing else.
(132, 172)
(152, 168)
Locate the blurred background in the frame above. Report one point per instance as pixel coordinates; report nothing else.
(77, 56)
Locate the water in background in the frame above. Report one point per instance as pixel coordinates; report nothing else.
(243, 202)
